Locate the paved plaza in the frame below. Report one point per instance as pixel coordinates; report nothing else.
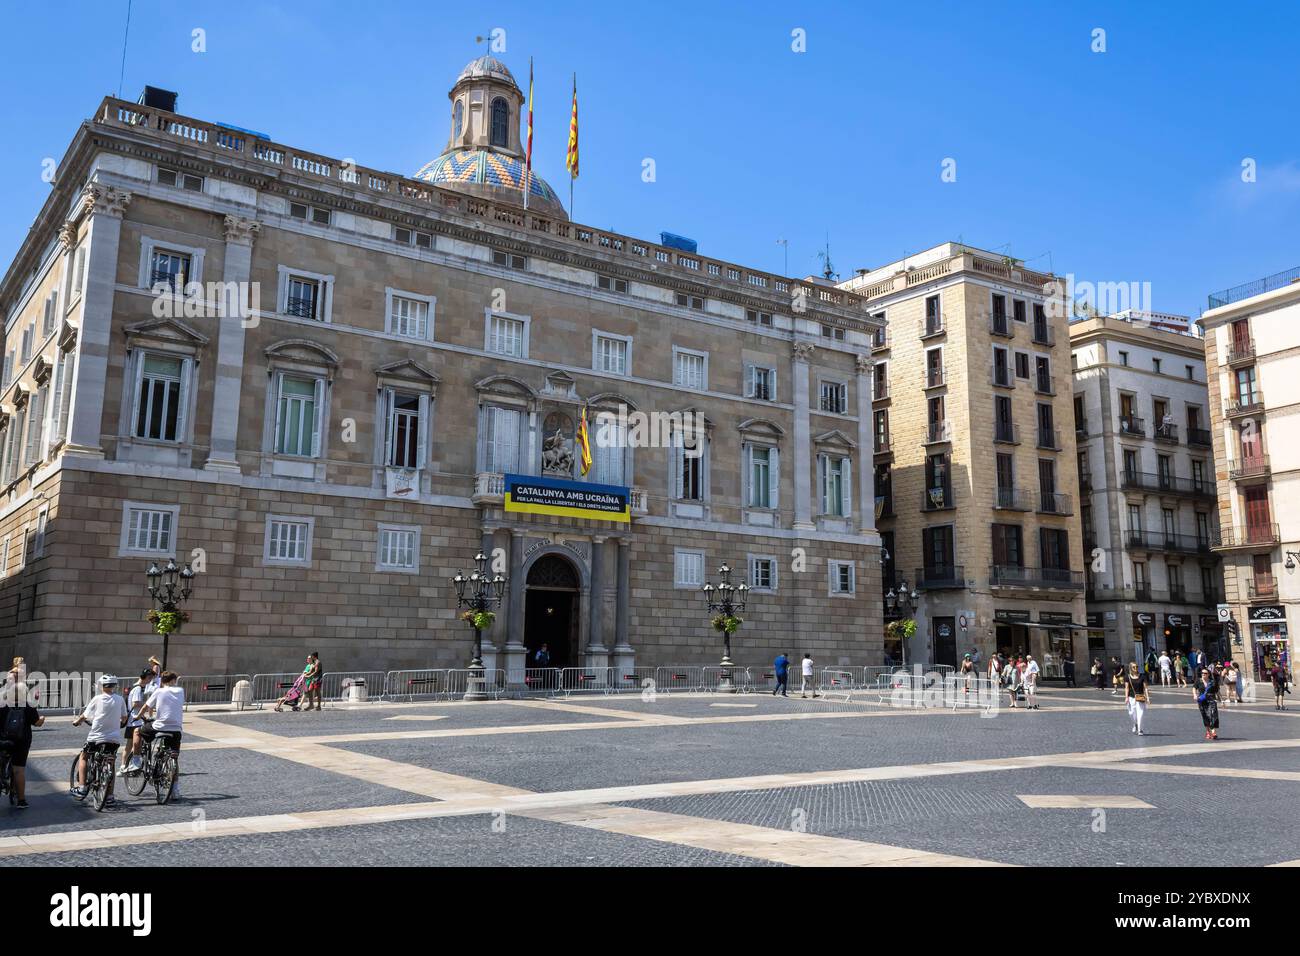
(689, 780)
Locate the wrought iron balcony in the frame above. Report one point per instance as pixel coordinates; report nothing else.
(303, 307)
(1049, 438)
(1252, 404)
(933, 325)
(1200, 436)
(1008, 433)
(1132, 425)
(1239, 352)
(1044, 385)
(938, 498)
(1055, 503)
(1167, 432)
(1251, 537)
(1013, 499)
(941, 576)
(1166, 484)
(1253, 467)
(1001, 326)
(1148, 540)
(1015, 576)
(934, 377)
(1043, 334)
(938, 432)
(1262, 586)
(1001, 376)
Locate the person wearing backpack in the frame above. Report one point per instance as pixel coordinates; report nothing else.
(17, 718)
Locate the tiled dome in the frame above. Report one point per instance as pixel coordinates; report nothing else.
(487, 66)
(502, 174)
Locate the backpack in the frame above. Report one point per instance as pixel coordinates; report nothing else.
(15, 724)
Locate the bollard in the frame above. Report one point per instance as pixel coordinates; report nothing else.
(242, 695)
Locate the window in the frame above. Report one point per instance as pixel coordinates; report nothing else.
(688, 471)
(762, 574)
(509, 259)
(1191, 373)
(507, 335)
(38, 537)
(172, 177)
(762, 476)
(4, 556)
(880, 381)
(1247, 394)
(458, 118)
(408, 315)
(937, 551)
(51, 318)
(78, 273)
(1001, 372)
(1043, 375)
(690, 369)
(288, 540)
(1130, 465)
(1123, 358)
(1000, 313)
(609, 353)
(833, 480)
(841, 575)
(834, 397)
(1155, 365)
(501, 429)
(1018, 310)
(160, 397)
(1054, 549)
(1022, 365)
(759, 318)
(609, 451)
(298, 416)
(62, 395)
(500, 122)
(933, 317)
(688, 571)
(307, 213)
(760, 383)
(8, 370)
(35, 426)
(833, 333)
(1008, 546)
(399, 548)
(690, 301)
(302, 297)
(409, 237)
(611, 284)
(13, 435)
(403, 436)
(882, 430)
(29, 334)
(148, 529)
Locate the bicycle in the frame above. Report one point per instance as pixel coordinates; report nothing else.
(99, 776)
(160, 769)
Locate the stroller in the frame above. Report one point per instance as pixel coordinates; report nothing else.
(294, 697)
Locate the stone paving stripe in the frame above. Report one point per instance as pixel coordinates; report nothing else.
(417, 717)
(1194, 771)
(1048, 801)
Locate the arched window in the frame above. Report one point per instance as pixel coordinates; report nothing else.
(458, 120)
(500, 122)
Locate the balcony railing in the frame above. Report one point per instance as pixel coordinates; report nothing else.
(1132, 425)
(1200, 436)
(1006, 432)
(1251, 536)
(1080, 429)
(932, 325)
(941, 576)
(1277, 280)
(1177, 594)
(1001, 376)
(938, 498)
(880, 342)
(881, 391)
(304, 307)
(1085, 481)
(1149, 540)
(882, 445)
(1005, 575)
(1167, 432)
(1239, 352)
(1262, 586)
(1045, 385)
(938, 432)
(1251, 404)
(173, 281)
(1049, 438)
(1013, 499)
(1001, 326)
(934, 377)
(1254, 467)
(885, 506)
(1055, 503)
(1167, 484)
(1043, 334)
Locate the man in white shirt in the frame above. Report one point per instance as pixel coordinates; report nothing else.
(167, 705)
(107, 716)
(1031, 683)
(1166, 668)
(807, 675)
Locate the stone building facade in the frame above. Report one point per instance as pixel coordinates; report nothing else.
(975, 460)
(313, 379)
(1252, 333)
(1146, 487)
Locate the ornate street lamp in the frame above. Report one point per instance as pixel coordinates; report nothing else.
(902, 603)
(726, 601)
(478, 593)
(169, 587)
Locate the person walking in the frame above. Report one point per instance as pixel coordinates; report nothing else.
(1068, 669)
(1031, 683)
(311, 686)
(967, 672)
(1180, 669)
(1280, 690)
(543, 656)
(1013, 675)
(1136, 697)
(17, 718)
(1205, 693)
(806, 677)
(1166, 669)
(1116, 676)
(782, 666)
(1235, 683)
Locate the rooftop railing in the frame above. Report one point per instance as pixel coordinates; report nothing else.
(1277, 280)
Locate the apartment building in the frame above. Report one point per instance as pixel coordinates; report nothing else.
(975, 459)
(1252, 334)
(1146, 485)
(402, 387)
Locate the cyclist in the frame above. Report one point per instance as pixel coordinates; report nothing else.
(107, 716)
(167, 705)
(17, 718)
(139, 692)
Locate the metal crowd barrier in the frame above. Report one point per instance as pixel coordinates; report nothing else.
(268, 688)
(683, 679)
(540, 680)
(632, 680)
(340, 685)
(210, 688)
(410, 685)
(494, 682)
(57, 694)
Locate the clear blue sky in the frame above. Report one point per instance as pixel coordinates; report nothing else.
(1119, 166)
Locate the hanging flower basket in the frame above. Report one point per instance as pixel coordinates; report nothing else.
(481, 620)
(900, 630)
(727, 623)
(165, 622)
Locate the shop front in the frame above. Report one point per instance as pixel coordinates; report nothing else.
(1010, 630)
(1178, 633)
(1211, 639)
(1144, 634)
(1052, 642)
(1270, 647)
(1096, 637)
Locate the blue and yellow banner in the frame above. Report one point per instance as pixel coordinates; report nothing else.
(567, 499)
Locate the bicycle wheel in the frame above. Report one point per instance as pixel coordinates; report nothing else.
(101, 771)
(166, 776)
(72, 778)
(9, 781)
(135, 782)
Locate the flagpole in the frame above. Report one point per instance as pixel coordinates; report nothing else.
(571, 176)
(528, 157)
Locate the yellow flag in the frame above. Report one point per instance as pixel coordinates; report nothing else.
(585, 442)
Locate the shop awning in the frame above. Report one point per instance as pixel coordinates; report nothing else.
(1062, 626)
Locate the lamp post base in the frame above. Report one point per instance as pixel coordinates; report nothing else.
(476, 683)
(727, 682)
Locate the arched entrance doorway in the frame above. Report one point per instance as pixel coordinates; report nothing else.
(551, 610)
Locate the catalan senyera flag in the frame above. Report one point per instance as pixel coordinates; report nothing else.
(528, 159)
(584, 442)
(571, 161)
